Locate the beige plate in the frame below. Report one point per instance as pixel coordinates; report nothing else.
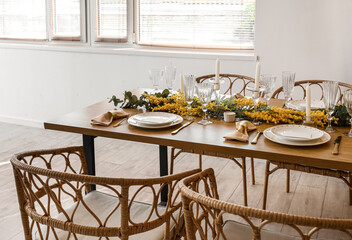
(293, 132)
(133, 122)
(155, 118)
(272, 137)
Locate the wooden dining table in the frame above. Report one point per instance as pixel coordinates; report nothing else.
(200, 139)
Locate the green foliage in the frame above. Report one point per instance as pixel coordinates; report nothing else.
(342, 114)
(132, 101)
(115, 100)
(164, 94)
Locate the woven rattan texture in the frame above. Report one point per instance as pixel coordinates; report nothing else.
(204, 213)
(48, 181)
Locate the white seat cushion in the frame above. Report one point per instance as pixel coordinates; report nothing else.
(102, 204)
(239, 231)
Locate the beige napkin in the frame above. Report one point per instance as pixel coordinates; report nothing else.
(241, 132)
(107, 118)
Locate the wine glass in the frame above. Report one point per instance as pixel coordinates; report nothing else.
(255, 96)
(204, 92)
(268, 82)
(155, 76)
(170, 77)
(189, 82)
(330, 89)
(288, 83)
(347, 101)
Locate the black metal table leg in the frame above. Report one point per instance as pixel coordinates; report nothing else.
(88, 145)
(163, 172)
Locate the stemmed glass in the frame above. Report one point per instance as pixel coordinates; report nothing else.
(330, 89)
(268, 82)
(288, 82)
(347, 101)
(155, 76)
(189, 82)
(170, 77)
(255, 96)
(204, 92)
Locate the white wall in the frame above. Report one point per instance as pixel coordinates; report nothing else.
(311, 37)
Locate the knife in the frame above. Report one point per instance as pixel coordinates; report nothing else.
(336, 145)
(119, 122)
(182, 127)
(255, 140)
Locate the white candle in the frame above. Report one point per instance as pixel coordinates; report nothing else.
(308, 103)
(181, 80)
(257, 78)
(217, 75)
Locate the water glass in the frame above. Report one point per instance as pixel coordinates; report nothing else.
(255, 97)
(189, 82)
(347, 101)
(155, 76)
(330, 89)
(204, 92)
(170, 77)
(288, 83)
(268, 82)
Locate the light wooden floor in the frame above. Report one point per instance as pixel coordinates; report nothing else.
(310, 194)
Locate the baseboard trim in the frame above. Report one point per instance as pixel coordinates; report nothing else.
(22, 121)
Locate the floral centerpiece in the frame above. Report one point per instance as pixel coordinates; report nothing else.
(243, 107)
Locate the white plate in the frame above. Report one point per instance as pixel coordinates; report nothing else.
(297, 132)
(155, 118)
(133, 122)
(300, 105)
(269, 135)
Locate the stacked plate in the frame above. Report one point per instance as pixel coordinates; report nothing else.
(300, 105)
(296, 135)
(155, 120)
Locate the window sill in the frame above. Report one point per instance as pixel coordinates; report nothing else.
(243, 55)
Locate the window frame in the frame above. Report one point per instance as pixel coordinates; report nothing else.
(89, 37)
(83, 24)
(181, 46)
(35, 40)
(107, 40)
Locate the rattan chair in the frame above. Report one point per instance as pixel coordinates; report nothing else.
(56, 201)
(301, 85)
(238, 84)
(205, 214)
(345, 176)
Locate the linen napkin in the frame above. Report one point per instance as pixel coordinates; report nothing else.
(241, 132)
(106, 119)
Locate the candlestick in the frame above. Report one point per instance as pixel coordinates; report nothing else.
(217, 75)
(257, 78)
(181, 79)
(308, 103)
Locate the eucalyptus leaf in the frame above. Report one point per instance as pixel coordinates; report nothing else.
(165, 93)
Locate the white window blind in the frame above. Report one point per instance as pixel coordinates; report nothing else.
(22, 19)
(66, 19)
(197, 23)
(111, 20)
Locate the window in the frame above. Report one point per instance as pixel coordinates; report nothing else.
(23, 19)
(224, 24)
(66, 19)
(111, 20)
(196, 23)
